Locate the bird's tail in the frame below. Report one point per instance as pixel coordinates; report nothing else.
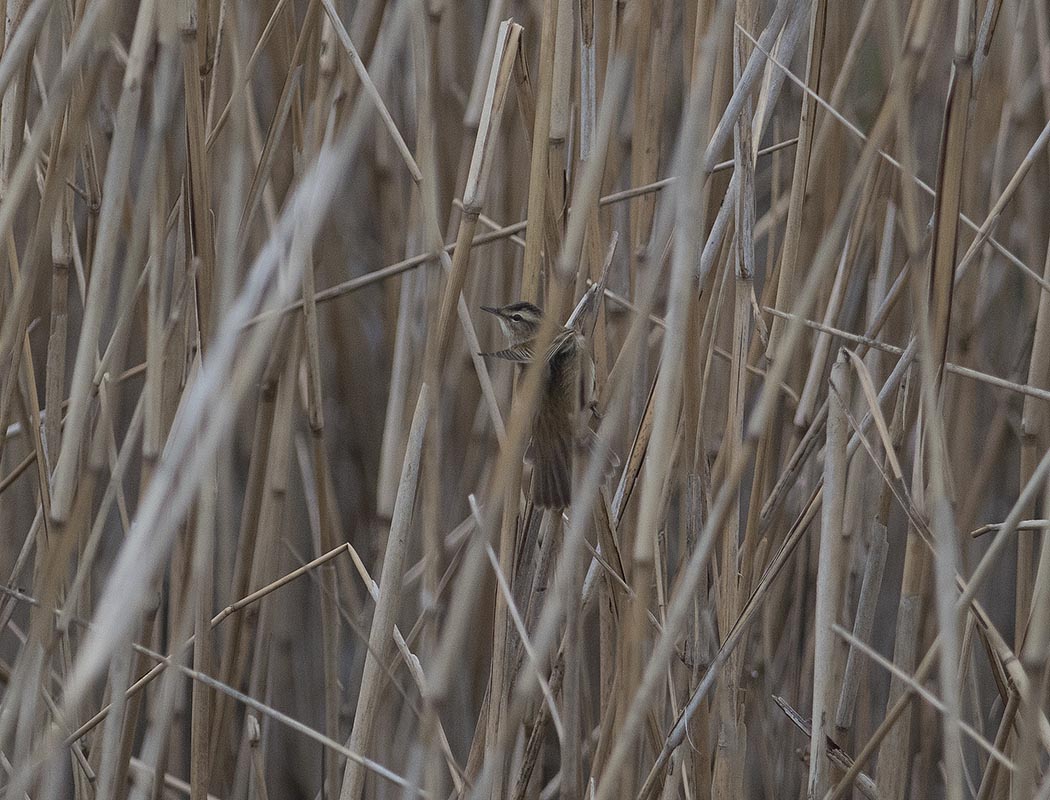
(551, 454)
(551, 484)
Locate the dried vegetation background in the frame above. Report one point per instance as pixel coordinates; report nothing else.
(264, 529)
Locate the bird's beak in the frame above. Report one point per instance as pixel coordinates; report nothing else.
(491, 310)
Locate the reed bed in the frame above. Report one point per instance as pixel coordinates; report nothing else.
(266, 527)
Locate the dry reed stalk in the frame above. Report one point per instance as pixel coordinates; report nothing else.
(729, 763)
(202, 579)
(800, 174)
(876, 559)
(539, 163)
(387, 602)
(831, 576)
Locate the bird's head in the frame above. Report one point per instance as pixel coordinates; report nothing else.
(520, 321)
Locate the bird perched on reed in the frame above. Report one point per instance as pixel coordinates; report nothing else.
(566, 394)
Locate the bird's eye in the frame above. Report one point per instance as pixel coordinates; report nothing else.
(516, 317)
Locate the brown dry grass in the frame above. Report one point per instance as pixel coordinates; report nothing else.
(263, 507)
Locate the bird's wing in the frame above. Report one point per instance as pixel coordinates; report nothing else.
(565, 343)
(520, 353)
(523, 353)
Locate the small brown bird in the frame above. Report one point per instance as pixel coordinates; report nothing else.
(566, 394)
